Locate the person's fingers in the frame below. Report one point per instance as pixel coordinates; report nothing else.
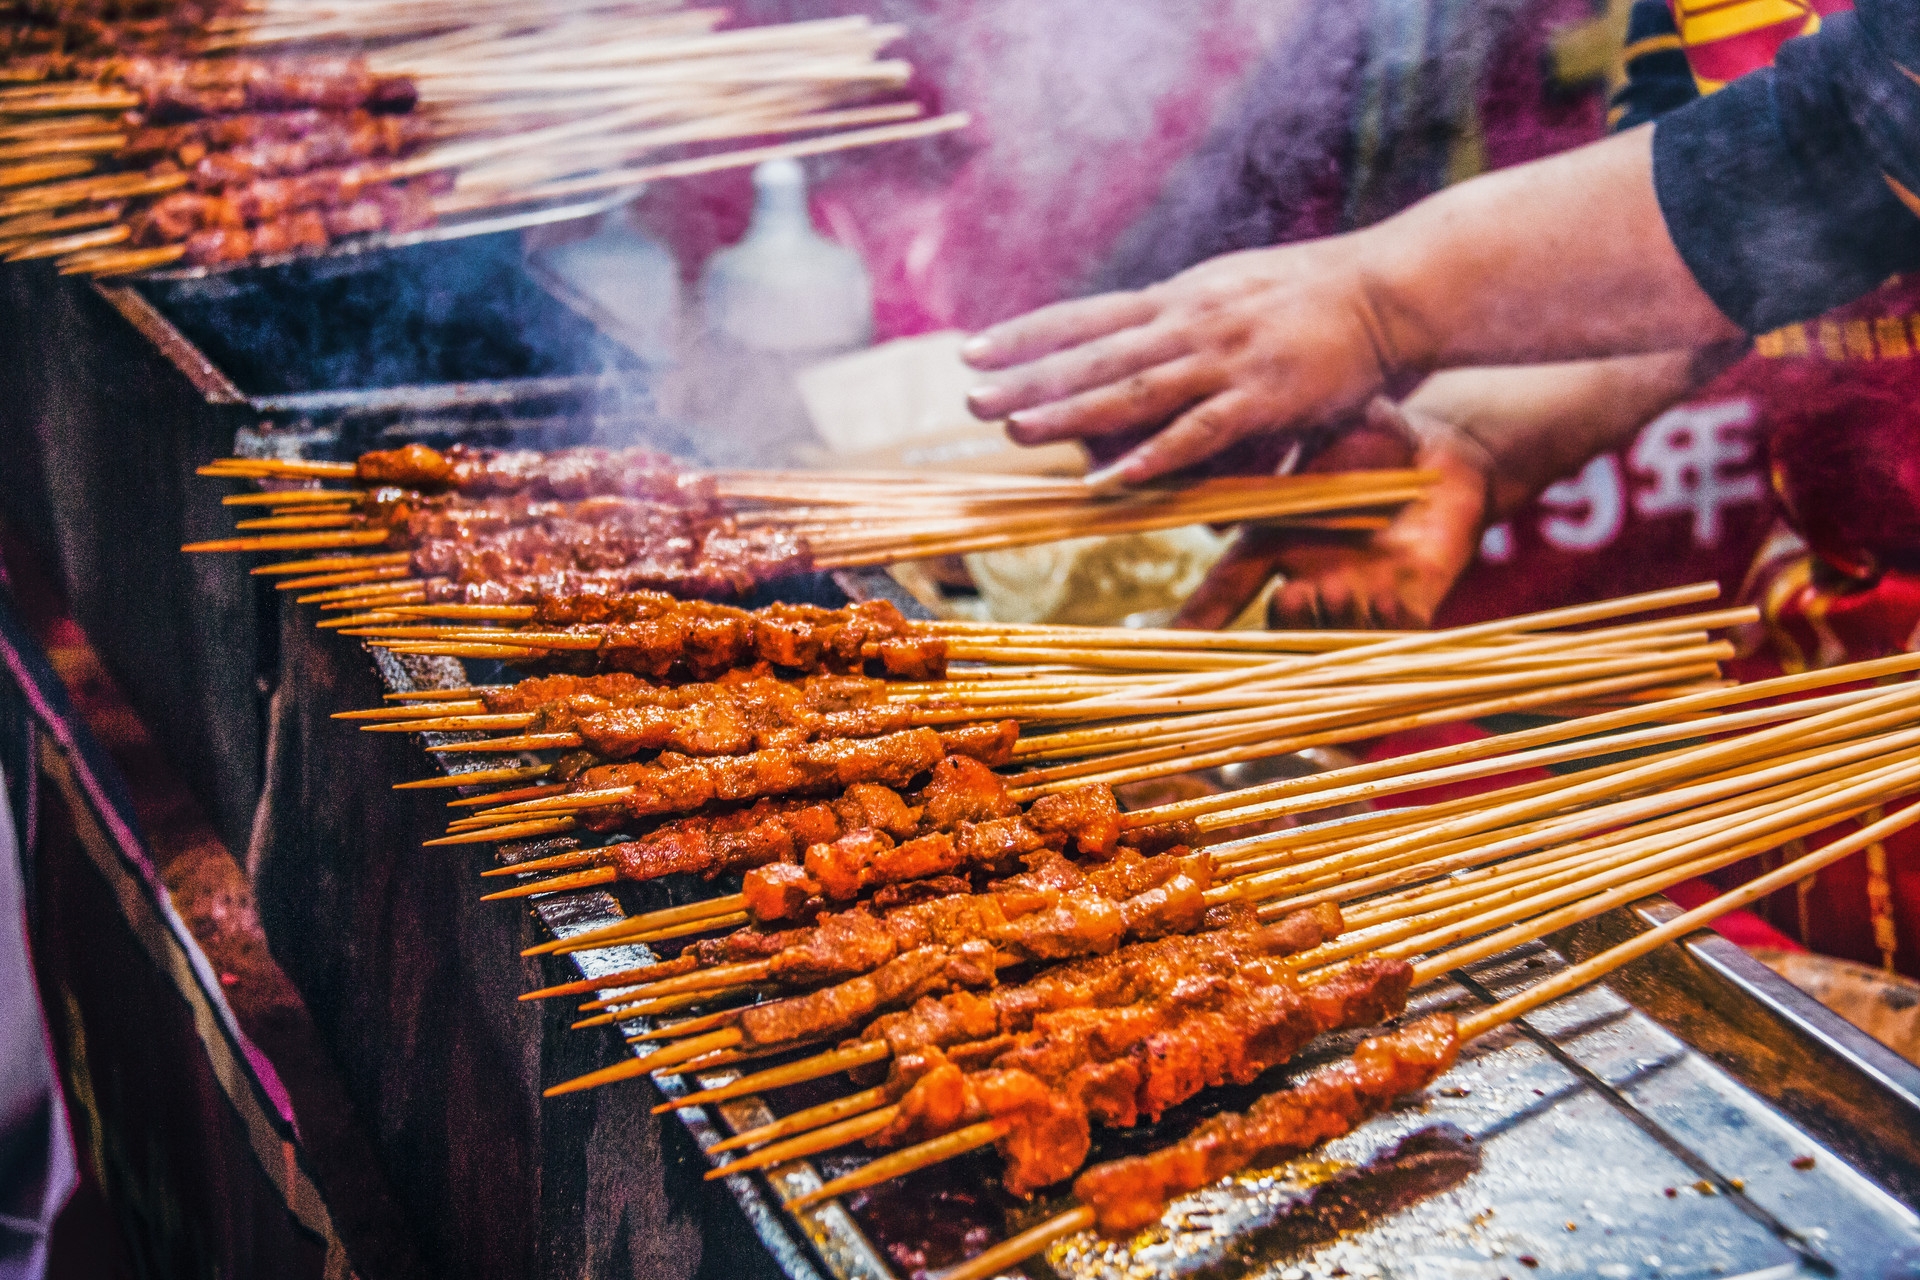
(1199, 433)
(1064, 324)
(1234, 582)
(1150, 396)
(1093, 364)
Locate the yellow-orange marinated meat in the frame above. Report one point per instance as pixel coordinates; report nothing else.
(1018, 924)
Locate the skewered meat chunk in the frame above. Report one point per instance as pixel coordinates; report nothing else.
(586, 694)
(656, 636)
(1089, 814)
(1131, 1193)
(675, 783)
(840, 1008)
(1116, 1064)
(840, 869)
(689, 553)
(1138, 971)
(223, 229)
(768, 831)
(651, 632)
(961, 789)
(773, 557)
(1085, 920)
(729, 719)
(564, 473)
(178, 88)
(339, 140)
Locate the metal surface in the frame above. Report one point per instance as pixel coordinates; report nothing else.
(1590, 1140)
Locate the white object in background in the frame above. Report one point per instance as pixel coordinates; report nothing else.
(903, 405)
(630, 278)
(785, 288)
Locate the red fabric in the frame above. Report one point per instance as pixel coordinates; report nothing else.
(1742, 927)
(1745, 36)
(1688, 501)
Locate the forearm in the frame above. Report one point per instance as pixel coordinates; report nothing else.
(1564, 259)
(1541, 423)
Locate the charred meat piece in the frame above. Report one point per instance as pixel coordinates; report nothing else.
(1116, 1064)
(1133, 1192)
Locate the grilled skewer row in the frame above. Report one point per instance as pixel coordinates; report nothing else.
(615, 717)
(283, 214)
(175, 88)
(562, 474)
(1104, 1040)
(1055, 910)
(1132, 1192)
(227, 151)
(606, 797)
(658, 637)
(601, 546)
(800, 856)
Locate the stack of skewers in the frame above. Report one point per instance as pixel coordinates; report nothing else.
(154, 145)
(937, 886)
(1021, 961)
(545, 533)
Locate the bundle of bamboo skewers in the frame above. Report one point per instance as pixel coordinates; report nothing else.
(508, 108)
(1712, 780)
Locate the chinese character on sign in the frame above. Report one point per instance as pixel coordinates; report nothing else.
(1699, 459)
(1587, 511)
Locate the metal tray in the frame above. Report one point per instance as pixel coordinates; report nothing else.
(1697, 1116)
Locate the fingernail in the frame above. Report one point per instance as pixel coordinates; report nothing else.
(980, 401)
(1110, 478)
(1024, 429)
(977, 346)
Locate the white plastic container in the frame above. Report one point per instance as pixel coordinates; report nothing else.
(785, 289)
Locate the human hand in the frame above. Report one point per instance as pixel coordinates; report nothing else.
(1396, 578)
(1276, 339)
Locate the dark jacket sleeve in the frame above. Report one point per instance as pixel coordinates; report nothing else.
(1659, 78)
(1783, 191)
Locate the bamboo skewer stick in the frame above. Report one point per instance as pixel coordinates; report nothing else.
(1334, 862)
(622, 179)
(1657, 772)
